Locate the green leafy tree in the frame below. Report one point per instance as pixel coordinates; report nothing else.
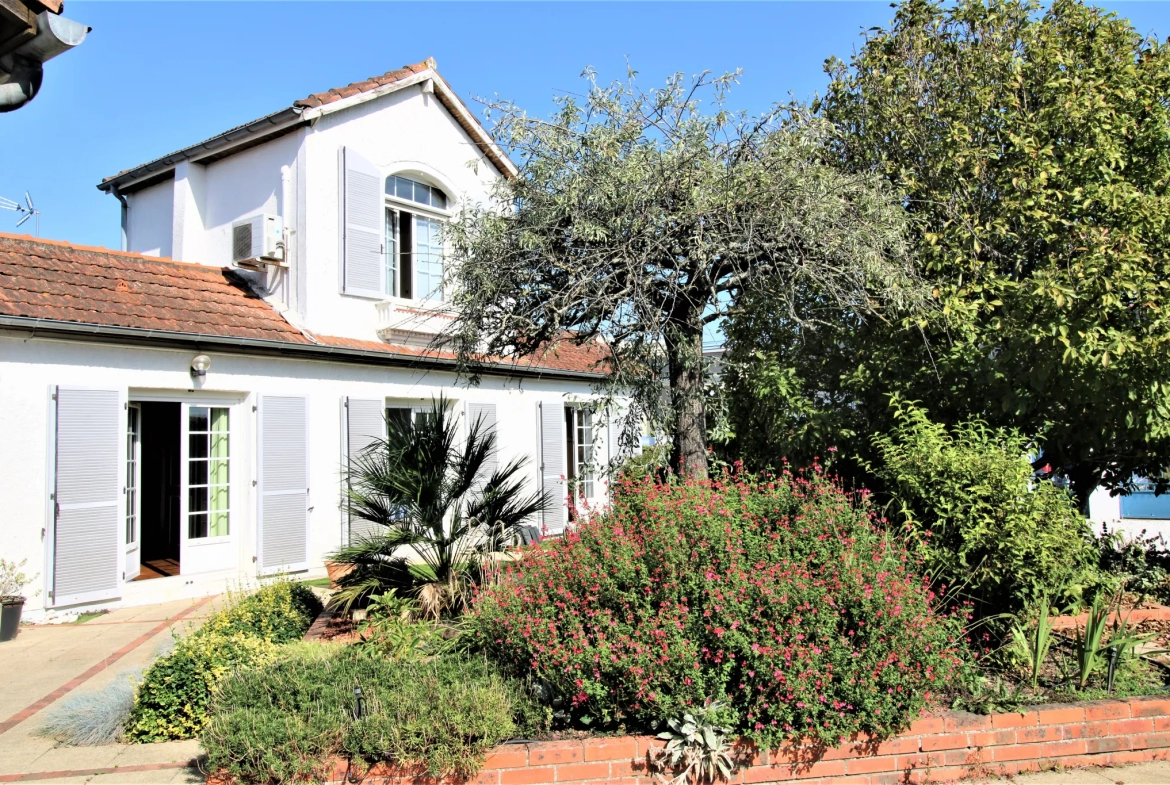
(637, 217)
(1031, 149)
(970, 505)
(438, 510)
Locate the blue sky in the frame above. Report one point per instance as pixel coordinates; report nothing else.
(156, 76)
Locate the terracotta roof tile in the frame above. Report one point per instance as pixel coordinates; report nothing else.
(47, 279)
(373, 83)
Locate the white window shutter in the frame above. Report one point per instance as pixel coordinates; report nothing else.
(486, 414)
(362, 211)
(365, 422)
(87, 495)
(619, 452)
(283, 483)
(552, 465)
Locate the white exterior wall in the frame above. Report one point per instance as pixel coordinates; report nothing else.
(297, 177)
(150, 219)
(1106, 509)
(30, 368)
(402, 132)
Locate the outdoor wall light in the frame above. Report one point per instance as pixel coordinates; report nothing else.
(200, 364)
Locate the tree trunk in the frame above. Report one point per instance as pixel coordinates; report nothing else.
(688, 453)
(1084, 480)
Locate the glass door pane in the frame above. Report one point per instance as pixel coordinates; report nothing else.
(208, 488)
(428, 259)
(133, 483)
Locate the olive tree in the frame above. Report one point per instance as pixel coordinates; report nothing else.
(638, 217)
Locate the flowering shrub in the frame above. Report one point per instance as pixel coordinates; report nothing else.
(779, 598)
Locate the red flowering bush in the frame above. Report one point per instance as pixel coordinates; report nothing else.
(781, 598)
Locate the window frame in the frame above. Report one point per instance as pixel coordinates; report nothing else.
(399, 206)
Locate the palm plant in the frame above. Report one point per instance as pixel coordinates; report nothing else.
(439, 512)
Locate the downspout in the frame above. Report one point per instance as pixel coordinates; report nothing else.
(125, 213)
(22, 82)
(22, 71)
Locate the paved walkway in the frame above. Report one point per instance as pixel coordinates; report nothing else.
(1157, 773)
(47, 662)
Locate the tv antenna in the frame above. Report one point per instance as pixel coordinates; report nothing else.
(28, 210)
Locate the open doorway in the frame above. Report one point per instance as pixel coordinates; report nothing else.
(158, 515)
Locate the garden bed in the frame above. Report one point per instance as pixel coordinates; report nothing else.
(946, 747)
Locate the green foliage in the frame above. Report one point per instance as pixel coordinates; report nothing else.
(278, 612)
(1032, 645)
(1032, 150)
(1091, 646)
(392, 631)
(172, 701)
(285, 720)
(743, 591)
(1136, 564)
(986, 528)
(12, 579)
(426, 488)
(696, 751)
(637, 216)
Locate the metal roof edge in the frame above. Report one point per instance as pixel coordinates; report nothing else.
(257, 129)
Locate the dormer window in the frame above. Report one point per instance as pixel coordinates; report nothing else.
(414, 253)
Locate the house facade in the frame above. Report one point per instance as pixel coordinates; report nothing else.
(179, 415)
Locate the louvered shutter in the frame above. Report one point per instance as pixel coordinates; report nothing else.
(365, 422)
(362, 263)
(486, 414)
(619, 452)
(88, 495)
(283, 483)
(552, 465)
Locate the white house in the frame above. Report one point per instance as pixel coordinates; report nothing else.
(177, 415)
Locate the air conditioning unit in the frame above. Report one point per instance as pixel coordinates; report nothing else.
(258, 242)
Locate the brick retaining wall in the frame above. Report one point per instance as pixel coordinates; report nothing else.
(943, 748)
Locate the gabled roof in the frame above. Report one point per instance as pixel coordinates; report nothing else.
(303, 111)
(80, 291)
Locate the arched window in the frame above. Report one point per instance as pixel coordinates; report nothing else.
(414, 257)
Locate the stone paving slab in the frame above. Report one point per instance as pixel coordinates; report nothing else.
(43, 659)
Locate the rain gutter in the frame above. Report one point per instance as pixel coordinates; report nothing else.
(80, 331)
(251, 133)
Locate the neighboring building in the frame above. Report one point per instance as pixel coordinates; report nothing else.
(306, 269)
(1139, 510)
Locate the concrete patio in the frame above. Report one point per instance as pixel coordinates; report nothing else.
(46, 663)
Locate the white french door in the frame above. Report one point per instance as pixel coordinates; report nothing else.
(205, 499)
(131, 490)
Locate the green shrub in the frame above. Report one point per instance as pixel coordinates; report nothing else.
(285, 720)
(985, 526)
(780, 599)
(172, 701)
(278, 612)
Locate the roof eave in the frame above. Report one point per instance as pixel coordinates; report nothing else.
(255, 131)
(83, 331)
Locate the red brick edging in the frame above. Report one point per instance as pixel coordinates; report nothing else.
(943, 748)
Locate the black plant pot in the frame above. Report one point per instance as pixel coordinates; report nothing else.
(10, 609)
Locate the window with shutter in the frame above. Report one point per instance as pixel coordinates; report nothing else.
(283, 483)
(363, 266)
(552, 465)
(89, 512)
(485, 415)
(365, 423)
